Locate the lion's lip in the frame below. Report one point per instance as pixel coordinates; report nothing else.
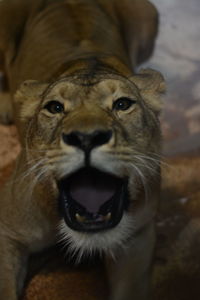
(92, 200)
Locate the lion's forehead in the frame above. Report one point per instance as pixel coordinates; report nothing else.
(99, 91)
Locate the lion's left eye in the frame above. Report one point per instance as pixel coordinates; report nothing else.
(54, 107)
(123, 103)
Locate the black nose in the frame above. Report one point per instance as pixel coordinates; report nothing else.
(87, 141)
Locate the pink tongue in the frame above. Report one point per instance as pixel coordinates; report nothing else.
(92, 189)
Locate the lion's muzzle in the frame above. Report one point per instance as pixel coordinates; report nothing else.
(91, 200)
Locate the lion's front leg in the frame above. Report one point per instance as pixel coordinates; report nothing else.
(130, 274)
(13, 264)
(24, 230)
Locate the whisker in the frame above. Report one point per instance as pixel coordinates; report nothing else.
(57, 156)
(35, 151)
(30, 171)
(147, 167)
(143, 181)
(37, 178)
(142, 159)
(156, 161)
(33, 168)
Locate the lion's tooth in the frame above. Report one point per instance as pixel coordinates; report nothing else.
(107, 217)
(79, 218)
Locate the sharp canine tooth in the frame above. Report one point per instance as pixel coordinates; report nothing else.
(79, 218)
(107, 217)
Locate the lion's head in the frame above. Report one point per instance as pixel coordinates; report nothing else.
(99, 141)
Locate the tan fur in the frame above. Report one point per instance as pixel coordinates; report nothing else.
(73, 51)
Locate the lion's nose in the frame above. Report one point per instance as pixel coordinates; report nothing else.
(87, 141)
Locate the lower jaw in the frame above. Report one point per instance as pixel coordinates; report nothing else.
(84, 245)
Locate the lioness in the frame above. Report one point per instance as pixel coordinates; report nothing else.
(88, 172)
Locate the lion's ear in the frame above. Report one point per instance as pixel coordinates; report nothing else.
(151, 84)
(28, 96)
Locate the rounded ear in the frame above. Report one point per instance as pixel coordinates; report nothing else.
(28, 96)
(151, 84)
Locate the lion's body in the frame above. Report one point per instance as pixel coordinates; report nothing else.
(77, 52)
(59, 34)
(54, 33)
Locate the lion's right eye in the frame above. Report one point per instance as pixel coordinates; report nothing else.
(54, 107)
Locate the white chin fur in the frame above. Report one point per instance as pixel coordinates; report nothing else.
(81, 244)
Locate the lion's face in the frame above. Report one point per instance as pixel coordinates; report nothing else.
(100, 143)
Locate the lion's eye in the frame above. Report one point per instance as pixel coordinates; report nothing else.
(123, 103)
(54, 107)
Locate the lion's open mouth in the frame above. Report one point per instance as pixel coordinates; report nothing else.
(92, 200)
